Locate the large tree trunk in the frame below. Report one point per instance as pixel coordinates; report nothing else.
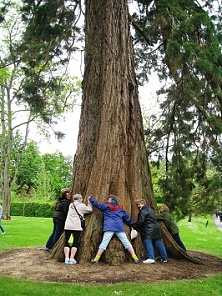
(111, 155)
(6, 152)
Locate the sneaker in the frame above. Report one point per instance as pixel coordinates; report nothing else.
(149, 261)
(95, 261)
(3, 232)
(164, 261)
(136, 260)
(66, 260)
(72, 261)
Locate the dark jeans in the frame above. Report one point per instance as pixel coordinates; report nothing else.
(178, 241)
(1, 227)
(148, 243)
(58, 227)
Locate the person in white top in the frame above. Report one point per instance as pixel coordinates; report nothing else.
(1, 227)
(73, 226)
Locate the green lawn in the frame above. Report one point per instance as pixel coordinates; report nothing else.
(25, 232)
(197, 236)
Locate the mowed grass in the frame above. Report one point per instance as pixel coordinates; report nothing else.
(25, 232)
(207, 287)
(31, 232)
(197, 236)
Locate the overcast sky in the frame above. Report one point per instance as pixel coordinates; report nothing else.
(70, 125)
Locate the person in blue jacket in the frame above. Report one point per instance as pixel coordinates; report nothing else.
(113, 223)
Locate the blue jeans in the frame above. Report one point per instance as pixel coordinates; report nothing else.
(58, 227)
(109, 234)
(148, 243)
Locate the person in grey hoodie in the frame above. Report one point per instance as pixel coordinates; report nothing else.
(73, 226)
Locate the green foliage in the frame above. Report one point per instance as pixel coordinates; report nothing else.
(155, 173)
(192, 186)
(184, 48)
(32, 209)
(44, 185)
(47, 42)
(42, 177)
(29, 166)
(59, 169)
(29, 72)
(36, 62)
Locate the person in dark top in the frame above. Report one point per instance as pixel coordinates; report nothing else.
(59, 218)
(149, 230)
(167, 218)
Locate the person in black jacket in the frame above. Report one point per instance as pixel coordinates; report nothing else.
(59, 218)
(149, 230)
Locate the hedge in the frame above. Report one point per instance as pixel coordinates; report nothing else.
(32, 209)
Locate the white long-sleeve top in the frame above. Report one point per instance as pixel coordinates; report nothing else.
(73, 220)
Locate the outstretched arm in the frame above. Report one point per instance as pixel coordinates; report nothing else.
(97, 205)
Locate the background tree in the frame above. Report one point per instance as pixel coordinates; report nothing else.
(52, 91)
(188, 132)
(199, 191)
(29, 167)
(59, 169)
(42, 176)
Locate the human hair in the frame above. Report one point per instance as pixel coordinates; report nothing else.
(164, 208)
(114, 198)
(64, 193)
(141, 201)
(77, 196)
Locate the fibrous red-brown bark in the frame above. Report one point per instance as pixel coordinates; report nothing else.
(111, 155)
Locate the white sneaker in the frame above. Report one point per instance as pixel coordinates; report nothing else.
(66, 260)
(149, 261)
(72, 261)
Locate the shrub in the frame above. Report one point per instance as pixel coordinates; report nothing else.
(32, 209)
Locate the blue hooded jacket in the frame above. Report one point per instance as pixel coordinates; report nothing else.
(113, 215)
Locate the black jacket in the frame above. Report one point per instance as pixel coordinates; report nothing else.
(61, 209)
(147, 224)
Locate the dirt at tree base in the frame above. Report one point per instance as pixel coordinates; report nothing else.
(35, 265)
